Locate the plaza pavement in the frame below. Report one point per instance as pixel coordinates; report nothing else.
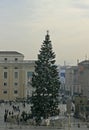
(8, 126)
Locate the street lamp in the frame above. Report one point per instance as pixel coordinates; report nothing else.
(69, 112)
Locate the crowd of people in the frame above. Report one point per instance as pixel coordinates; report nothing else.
(14, 110)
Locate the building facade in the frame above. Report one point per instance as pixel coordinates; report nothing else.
(83, 68)
(72, 85)
(15, 75)
(62, 79)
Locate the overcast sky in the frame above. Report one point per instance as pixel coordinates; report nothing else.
(23, 26)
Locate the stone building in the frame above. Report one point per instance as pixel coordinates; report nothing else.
(15, 75)
(83, 77)
(81, 107)
(72, 85)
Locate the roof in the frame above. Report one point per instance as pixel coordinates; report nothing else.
(85, 62)
(10, 53)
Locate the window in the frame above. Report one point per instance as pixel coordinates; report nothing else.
(5, 59)
(16, 67)
(16, 84)
(16, 59)
(5, 75)
(29, 76)
(5, 92)
(16, 75)
(5, 67)
(15, 91)
(5, 84)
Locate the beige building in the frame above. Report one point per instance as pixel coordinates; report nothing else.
(15, 75)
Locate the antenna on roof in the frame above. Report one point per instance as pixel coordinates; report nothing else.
(86, 57)
(77, 61)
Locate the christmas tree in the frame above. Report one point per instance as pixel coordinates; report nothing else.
(45, 82)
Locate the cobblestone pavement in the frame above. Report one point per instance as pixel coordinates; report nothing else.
(8, 126)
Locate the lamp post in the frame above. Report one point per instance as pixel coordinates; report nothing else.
(69, 112)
